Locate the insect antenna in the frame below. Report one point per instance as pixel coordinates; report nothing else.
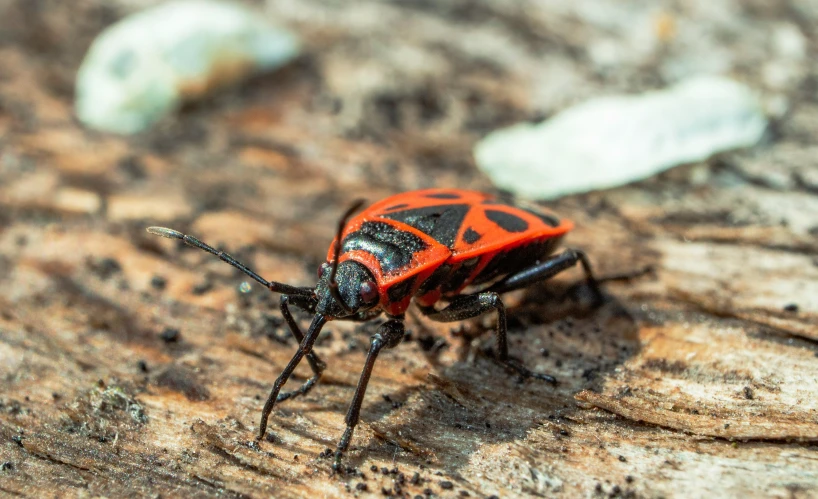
(333, 285)
(626, 276)
(277, 287)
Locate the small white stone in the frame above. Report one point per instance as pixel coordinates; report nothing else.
(789, 42)
(145, 65)
(611, 141)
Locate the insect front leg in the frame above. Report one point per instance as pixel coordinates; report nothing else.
(303, 349)
(389, 335)
(316, 364)
(468, 306)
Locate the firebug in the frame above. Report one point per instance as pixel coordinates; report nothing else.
(454, 252)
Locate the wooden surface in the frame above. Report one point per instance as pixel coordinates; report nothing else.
(698, 380)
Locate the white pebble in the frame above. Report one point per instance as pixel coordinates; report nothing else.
(611, 141)
(147, 64)
(789, 42)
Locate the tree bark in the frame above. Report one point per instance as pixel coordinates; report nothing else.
(133, 366)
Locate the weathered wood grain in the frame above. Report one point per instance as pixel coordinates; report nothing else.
(698, 379)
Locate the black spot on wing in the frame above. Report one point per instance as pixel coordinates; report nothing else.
(400, 290)
(471, 236)
(392, 235)
(392, 247)
(443, 195)
(442, 222)
(547, 218)
(459, 276)
(507, 221)
(435, 280)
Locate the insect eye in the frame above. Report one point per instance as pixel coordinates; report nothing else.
(323, 270)
(369, 292)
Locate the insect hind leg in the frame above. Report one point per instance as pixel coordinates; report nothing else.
(468, 306)
(548, 269)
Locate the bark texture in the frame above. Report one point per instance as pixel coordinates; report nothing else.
(132, 366)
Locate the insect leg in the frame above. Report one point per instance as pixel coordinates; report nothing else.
(468, 306)
(316, 364)
(303, 349)
(548, 269)
(389, 335)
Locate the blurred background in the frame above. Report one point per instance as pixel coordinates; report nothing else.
(132, 365)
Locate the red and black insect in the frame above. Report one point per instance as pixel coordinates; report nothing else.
(458, 247)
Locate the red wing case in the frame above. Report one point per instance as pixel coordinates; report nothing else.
(470, 223)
